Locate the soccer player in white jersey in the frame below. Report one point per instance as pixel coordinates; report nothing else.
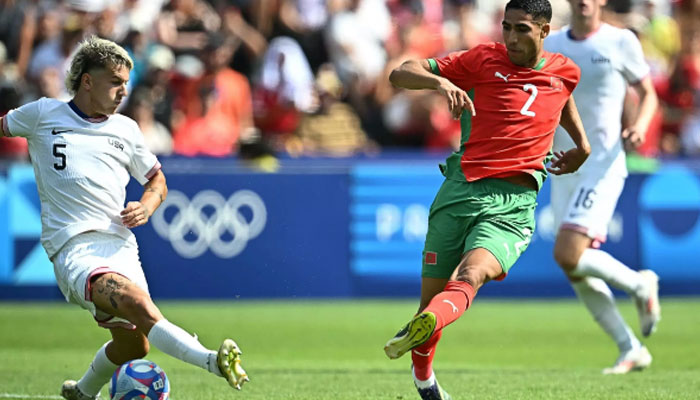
(83, 154)
(610, 59)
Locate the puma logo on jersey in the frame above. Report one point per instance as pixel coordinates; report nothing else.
(116, 144)
(500, 75)
(55, 132)
(454, 307)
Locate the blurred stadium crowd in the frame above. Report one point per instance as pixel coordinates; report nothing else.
(308, 77)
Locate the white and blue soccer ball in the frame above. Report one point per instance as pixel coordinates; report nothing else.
(139, 379)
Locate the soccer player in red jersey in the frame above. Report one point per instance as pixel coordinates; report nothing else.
(515, 94)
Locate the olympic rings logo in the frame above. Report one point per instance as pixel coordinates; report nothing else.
(209, 227)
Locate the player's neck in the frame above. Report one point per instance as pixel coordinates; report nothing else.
(84, 104)
(535, 60)
(582, 28)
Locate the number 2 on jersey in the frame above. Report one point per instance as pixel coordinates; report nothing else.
(526, 108)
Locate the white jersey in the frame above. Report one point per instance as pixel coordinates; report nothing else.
(82, 167)
(610, 59)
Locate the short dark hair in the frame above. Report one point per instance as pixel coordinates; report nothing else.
(536, 8)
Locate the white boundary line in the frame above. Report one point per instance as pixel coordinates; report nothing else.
(27, 396)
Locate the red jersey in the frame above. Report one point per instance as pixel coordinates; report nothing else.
(517, 111)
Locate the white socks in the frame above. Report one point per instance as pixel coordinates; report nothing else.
(424, 384)
(174, 341)
(598, 298)
(99, 373)
(599, 264)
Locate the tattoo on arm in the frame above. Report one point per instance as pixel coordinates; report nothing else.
(158, 192)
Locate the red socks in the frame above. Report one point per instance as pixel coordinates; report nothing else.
(451, 303)
(423, 355)
(447, 306)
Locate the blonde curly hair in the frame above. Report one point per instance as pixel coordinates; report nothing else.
(94, 52)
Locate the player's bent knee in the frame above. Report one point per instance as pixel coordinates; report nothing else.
(139, 309)
(567, 258)
(476, 277)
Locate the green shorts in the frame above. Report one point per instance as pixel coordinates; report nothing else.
(489, 213)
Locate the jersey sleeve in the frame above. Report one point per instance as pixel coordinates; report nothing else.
(634, 66)
(569, 72)
(460, 67)
(22, 121)
(144, 164)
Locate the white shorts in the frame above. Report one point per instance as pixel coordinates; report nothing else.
(95, 253)
(585, 203)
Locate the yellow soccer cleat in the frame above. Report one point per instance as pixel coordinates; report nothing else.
(229, 361)
(414, 334)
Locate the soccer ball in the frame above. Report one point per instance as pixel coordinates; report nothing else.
(139, 379)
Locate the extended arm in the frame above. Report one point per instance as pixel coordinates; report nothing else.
(634, 134)
(137, 213)
(570, 161)
(417, 74)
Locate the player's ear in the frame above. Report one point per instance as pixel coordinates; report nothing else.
(86, 80)
(544, 32)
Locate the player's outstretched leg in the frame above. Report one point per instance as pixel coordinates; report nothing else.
(430, 389)
(648, 303)
(228, 360)
(445, 308)
(116, 295)
(632, 360)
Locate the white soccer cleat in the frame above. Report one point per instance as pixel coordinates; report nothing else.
(632, 360)
(229, 361)
(648, 307)
(70, 391)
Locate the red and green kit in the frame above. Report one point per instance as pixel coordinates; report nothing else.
(517, 112)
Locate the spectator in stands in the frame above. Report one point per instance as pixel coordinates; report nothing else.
(689, 76)
(284, 91)
(50, 84)
(55, 53)
(334, 129)
(17, 30)
(304, 21)
(216, 108)
(157, 79)
(355, 37)
(156, 136)
(185, 25)
(248, 43)
(10, 98)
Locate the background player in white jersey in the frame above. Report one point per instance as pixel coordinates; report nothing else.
(610, 59)
(82, 155)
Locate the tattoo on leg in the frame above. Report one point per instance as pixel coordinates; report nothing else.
(113, 290)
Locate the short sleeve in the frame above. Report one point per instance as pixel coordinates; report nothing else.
(22, 121)
(144, 164)
(571, 73)
(634, 66)
(460, 67)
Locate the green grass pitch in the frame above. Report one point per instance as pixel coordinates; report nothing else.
(513, 349)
